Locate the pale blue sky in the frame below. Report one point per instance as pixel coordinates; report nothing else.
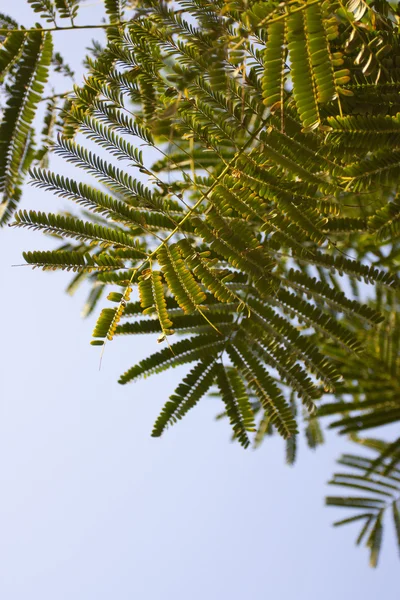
(93, 508)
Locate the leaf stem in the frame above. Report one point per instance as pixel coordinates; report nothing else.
(69, 27)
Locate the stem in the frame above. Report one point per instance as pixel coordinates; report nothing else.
(69, 27)
(206, 194)
(61, 95)
(153, 254)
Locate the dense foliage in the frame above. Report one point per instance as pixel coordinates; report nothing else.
(276, 127)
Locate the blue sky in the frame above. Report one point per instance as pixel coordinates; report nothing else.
(93, 508)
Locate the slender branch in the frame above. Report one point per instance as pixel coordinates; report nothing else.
(210, 189)
(69, 27)
(61, 95)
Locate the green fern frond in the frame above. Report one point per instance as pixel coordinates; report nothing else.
(114, 10)
(296, 344)
(385, 223)
(232, 406)
(181, 282)
(264, 162)
(109, 318)
(75, 228)
(365, 131)
(264, 387)
(242, 399)
(354, 268)
(313, 431)
(117, 180)
(100, 203)
(274, 61)
(181, 352)
(379, 494)
(312, 287)
(71, 261)
(15, 129)
(160, 303)
(182, 324)
(304, 60)
(203, 272)
(322, 322)
(192, 388)
(291, 373)
(10, 51)
(376, 170)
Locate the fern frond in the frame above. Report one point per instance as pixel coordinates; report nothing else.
(160, 303)
(231, 406)
(182, 324)
(204, 273)
(379, 169)
(385, 223)
(100, 203)
(354, 268)
(133, 191)
(313, 431)
(274, 61)
(274, 164)
(67, 226)
(181, 282)
(114, 10)
(182, 352)
(71, 261)
(109, 318)
(10, 51)
(45, 8)
(15, 129)
(305, 91)
(297, 344)
(67, 9)
(365, 131)
(378, 494)
(264, 387)
(324, 323)
(192, 388)
(312, 287)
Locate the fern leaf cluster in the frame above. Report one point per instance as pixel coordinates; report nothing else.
(230, 241)
(377, 485)
(273, 193)
(16, 143)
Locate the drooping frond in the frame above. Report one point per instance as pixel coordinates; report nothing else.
(232, 406)
(377, 493)
(16, 134)
(192, 388)
(372, 382)
(244, 164)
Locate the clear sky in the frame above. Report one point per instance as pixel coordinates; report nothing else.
(93, 508)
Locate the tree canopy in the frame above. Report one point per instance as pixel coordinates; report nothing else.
(247, 244)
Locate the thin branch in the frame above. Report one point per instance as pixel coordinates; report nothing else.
(61, 95)
(69, 27)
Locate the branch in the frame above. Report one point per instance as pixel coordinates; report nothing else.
(45, 29)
